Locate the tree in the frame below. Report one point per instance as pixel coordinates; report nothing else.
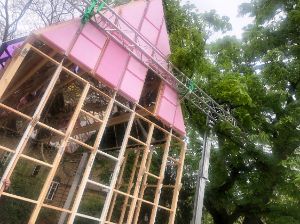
(257, 79)
(52, 11)
(11, 13)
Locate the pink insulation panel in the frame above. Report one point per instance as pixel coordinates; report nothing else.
(149, 31)
(87, 48)
(60, 36)
(163, 41)
(166, 111)
(178, 123)
(169, 109)
(155, 13)
(112, 65)
(94, 35)
(85, 53)
(133, 13)
(133, 80)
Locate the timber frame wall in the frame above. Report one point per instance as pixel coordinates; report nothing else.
(141, 178)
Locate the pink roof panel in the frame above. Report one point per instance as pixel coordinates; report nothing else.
(163, 41)
(85, 52)
(61, 35)
(170, 94)
(137, 68)
(112, 65)
(178, 123)
(133, 12)
(166, 111)
(155, 13)
(131, 86)
(149, 31)
(94, 35)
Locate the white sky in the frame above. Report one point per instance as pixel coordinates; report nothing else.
(225, 8)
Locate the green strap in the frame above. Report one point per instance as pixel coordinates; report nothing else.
(191, 86)
(88, 13)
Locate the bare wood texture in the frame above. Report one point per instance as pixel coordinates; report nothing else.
(89, 166)
(140, 175)
(30, 127)
(12, 69)
(177, 184)
(130, 185)
(59, 155)
(161, 177)
(118, 166)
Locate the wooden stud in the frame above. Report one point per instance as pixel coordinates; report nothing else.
(28, 75)
(140, 175)
(6, 149)
(89, 166)
(161, 178)
(59, 156)
(118, 185)
(56, 208)
(19, 197)
(12, 68)
(144, 185)
(30, 128)
(138, 141)
(130, 185)
(177, 184)
(118, 166)
(16, 112)
(35, 160)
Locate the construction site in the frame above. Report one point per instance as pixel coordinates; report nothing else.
(91, 124)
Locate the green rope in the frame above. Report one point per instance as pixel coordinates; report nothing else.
(191, 86)
(89, 11)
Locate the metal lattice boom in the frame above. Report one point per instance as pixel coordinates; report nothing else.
(126, 35)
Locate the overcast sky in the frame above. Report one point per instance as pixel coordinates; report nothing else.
(225, 8)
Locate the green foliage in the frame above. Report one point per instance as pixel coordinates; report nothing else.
(254, 177)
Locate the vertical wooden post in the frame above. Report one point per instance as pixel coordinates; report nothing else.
(140, 175)
(59, 156)
(73, 187)
(117, 168)
(12, 68)
(177, 184)
(161, 178)
(143, 187)
(130, 185)
(91, 161)
(30, 127)
(118, 185)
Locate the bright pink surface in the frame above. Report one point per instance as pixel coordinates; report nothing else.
(169, 109)
(170, 94)
(94, 35)
(163, 41)
(137, 68)
(61, 35)
(131, 86)
(112, 64)
(133, 12)
(149, 31)
(178, 123)
(155, 13)
(85, 53)
(133, 80)
(166, 111)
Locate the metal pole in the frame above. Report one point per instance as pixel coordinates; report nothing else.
(202, 177)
